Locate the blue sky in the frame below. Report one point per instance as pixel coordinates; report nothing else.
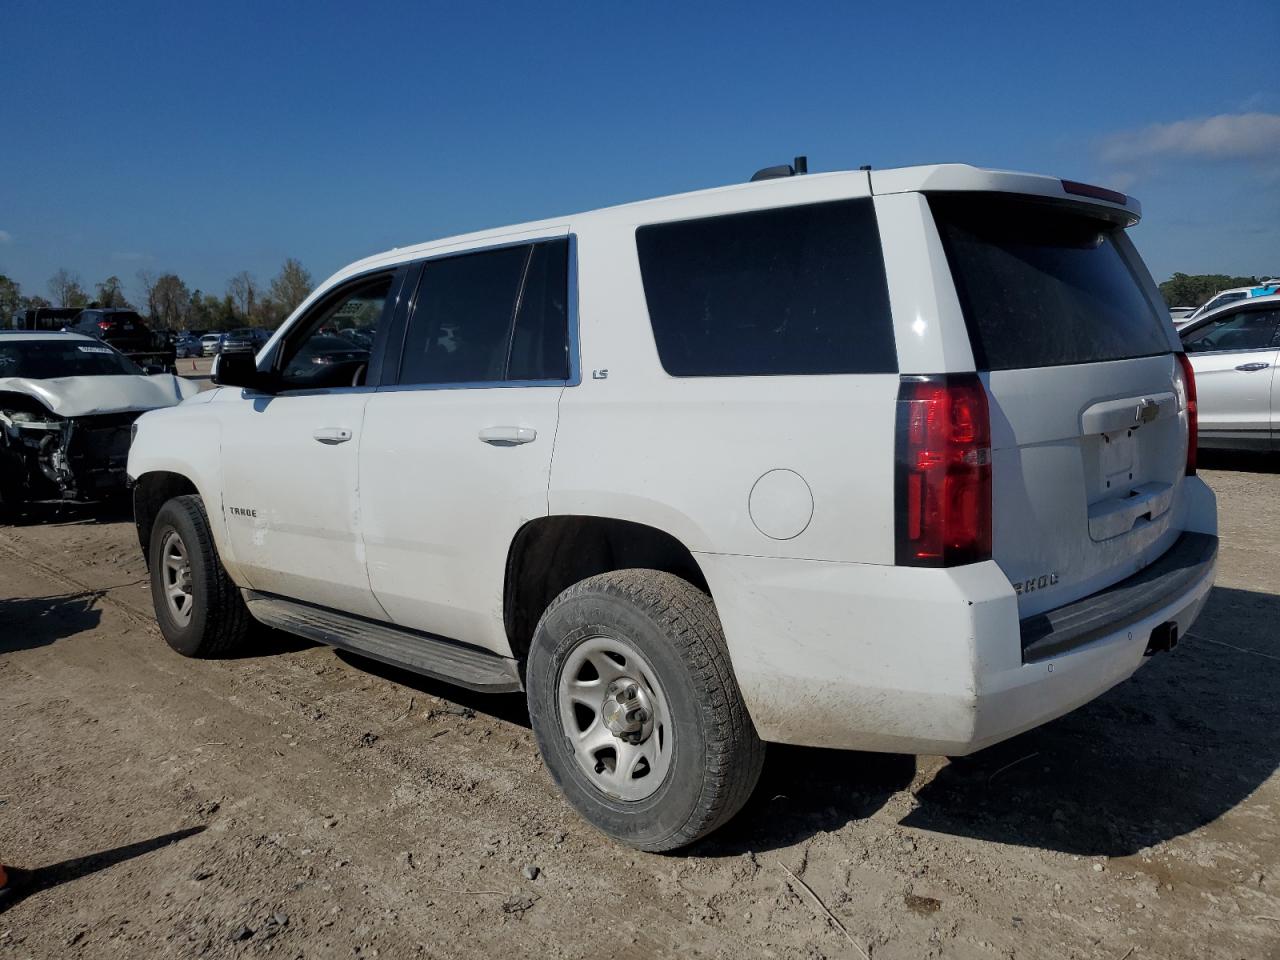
(209, 138)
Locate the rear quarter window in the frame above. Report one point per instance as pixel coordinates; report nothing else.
(794, 290)
(1043, 284)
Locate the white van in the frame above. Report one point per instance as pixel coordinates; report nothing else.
(895, 460)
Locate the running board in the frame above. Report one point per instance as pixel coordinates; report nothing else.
(424, 653)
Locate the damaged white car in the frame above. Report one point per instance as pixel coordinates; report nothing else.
(67, 406)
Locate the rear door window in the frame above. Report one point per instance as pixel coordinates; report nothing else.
(491, 316)
(794, 290)
(462, 322)
(1045, 285)
(540, 336)
(1242, 330)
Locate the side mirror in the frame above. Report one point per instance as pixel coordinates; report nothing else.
(237, 370)
(151, 369)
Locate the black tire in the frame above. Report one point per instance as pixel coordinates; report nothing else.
(219, 620)
(716, 755)
(12, 479)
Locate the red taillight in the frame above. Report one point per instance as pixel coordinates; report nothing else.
(1193, 414)
(104, 325)
(943, 471)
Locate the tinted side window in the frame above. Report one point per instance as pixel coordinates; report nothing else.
(1223, 300)
(1244, 330)
(317, 356)
(1045, 285)
(462, 322)
(540, 338)
(491, 316)
(795, 290)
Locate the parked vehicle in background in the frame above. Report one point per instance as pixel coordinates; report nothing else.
(244, 340)
(44, 318)
(123, 329)
(1180, 315)
(361, 338)
(887, 460)
(188, 346)
(1235, 352)
(67, 405)
(128, 333)
(210, 344)
(1224, 297)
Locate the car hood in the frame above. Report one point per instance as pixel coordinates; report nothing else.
(82, 396)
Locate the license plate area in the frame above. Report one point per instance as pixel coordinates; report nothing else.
(1117, 462)
(1123, 498)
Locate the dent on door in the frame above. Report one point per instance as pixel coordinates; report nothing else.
(290, 494)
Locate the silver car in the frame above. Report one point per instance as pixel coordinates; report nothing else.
(1234, 351)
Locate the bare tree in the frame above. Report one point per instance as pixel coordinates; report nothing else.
(172, 301)
(243, 291)
(10, 300)
(290, 287)
(147, 280)
(65, 289)
(110, 293)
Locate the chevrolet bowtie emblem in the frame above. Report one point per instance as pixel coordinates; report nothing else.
(1147, 411)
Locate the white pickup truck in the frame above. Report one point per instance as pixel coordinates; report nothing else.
(896, 460)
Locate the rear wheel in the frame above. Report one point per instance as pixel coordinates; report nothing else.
(199, 610)
(12, 480)
(636, 709)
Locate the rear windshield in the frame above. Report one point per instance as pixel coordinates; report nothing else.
(1043, 285)
(795, 290)
(46, 359)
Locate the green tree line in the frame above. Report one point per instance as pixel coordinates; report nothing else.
(1194, 289)
(168, 303)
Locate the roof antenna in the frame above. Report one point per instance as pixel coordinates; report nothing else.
(782, 170)
(773, 173)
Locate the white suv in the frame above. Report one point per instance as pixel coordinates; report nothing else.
(891, 460)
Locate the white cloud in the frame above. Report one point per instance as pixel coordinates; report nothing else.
(1121, 180)
(1227, 136)
(6, 236)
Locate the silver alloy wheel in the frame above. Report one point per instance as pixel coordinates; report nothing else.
(615, 717)
(175, 569)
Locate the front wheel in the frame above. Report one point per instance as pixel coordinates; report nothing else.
(636, 709)
(199, 609)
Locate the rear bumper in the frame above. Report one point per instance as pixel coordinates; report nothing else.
(922, 661)
(1155, 587)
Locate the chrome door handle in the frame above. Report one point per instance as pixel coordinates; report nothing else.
(508, 436)
(332, 435)
(1253, 366)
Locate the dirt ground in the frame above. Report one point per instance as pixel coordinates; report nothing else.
(300, 802)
